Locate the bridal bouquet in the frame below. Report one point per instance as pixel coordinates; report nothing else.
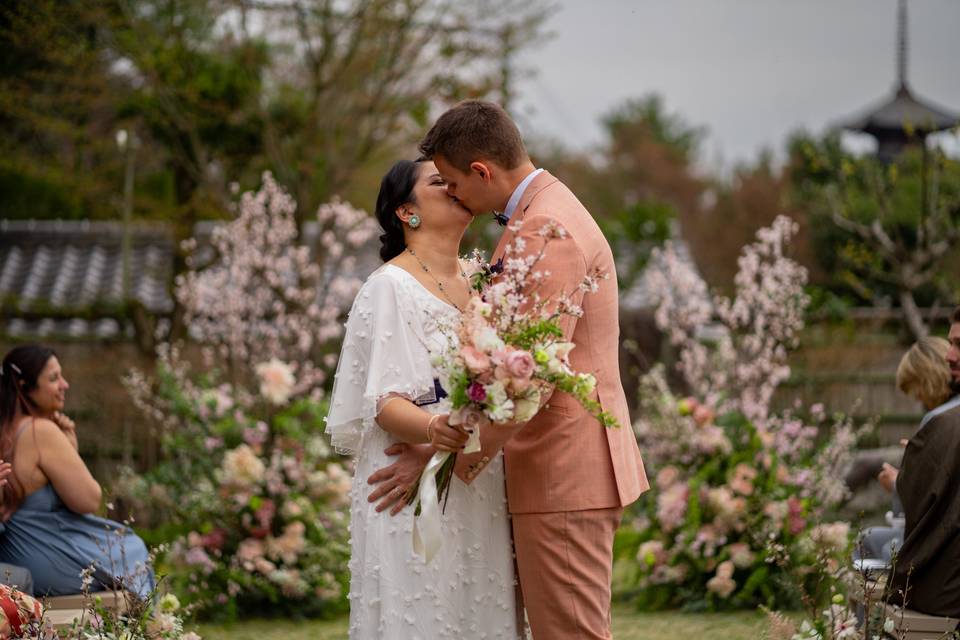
(510, 352)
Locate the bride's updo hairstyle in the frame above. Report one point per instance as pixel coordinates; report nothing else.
(396, 190)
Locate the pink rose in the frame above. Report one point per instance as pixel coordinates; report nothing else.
(476, 392)
(476, 360)
(520, 365)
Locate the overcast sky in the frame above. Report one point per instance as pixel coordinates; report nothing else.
(750, 71)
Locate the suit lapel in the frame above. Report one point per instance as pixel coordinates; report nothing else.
(541, 182)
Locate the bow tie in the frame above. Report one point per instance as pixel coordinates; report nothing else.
(501, 219)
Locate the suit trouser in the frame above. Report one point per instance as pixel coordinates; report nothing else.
(565, 562)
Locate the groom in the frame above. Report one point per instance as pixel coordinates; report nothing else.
(568, 478)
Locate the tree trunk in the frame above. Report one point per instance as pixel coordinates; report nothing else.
(912, 315)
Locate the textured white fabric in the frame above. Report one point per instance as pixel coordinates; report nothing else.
(384, 354)
(396, 328)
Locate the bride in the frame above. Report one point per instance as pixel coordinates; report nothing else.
(387, 392)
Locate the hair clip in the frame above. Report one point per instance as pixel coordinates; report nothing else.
(16, 369)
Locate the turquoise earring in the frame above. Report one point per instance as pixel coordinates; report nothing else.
(414, 221)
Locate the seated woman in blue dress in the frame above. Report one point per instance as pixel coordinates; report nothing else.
(50, 494)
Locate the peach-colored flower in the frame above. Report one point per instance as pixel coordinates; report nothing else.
(249, 550)
(276, 381)
(743, 477)
(722, 583)
(703, 415)
(477, 361)
(288, 546)
(242, 467)
(740, 555)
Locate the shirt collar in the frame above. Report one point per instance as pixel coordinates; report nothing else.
(518, 193)
(946, 406)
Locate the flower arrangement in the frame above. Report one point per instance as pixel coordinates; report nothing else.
(510, 351)
(160, 618)
(740, 493)
(252, 501)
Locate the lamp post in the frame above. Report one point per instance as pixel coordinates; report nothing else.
(127, 144)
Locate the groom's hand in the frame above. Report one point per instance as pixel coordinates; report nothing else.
(394, 480)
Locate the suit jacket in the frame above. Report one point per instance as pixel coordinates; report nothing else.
(927, 566)
(564, 459)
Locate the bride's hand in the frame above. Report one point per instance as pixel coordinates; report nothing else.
(445, 437)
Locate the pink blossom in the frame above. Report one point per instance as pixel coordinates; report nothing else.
(672, 506)
(198, 557)
(257, 435)
(667, 476)
(265, 514)
(215, 539)
(795, 521)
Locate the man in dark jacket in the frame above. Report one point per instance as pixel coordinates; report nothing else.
(926, 573)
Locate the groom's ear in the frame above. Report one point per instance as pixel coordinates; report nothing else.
(482, 169)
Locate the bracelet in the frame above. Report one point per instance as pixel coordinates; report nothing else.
(433, 419)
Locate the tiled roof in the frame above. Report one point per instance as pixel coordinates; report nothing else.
(64, 277)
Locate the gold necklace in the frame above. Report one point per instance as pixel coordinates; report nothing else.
(439, 284)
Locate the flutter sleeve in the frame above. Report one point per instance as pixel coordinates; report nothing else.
(384, 354)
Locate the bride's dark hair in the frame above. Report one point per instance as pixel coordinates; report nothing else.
(396, 189)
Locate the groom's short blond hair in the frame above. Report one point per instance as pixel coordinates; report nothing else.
(475, 130)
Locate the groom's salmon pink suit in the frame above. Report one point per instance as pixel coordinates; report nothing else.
(568, 477)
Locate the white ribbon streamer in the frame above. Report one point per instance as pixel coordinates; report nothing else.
(427, 536)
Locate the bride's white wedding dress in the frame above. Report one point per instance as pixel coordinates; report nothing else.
(395, 330)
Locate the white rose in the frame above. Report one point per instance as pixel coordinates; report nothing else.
(527, 407)
(486, 339)
(276, 381)
(496, 393)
